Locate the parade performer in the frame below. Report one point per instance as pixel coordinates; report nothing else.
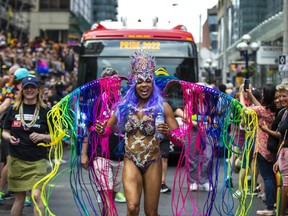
(134, 115)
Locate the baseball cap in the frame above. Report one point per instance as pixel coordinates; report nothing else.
(21, 73)
(30, 80)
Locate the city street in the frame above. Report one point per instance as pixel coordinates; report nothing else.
(62, 203)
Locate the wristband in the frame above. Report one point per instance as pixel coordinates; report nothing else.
(177, 138)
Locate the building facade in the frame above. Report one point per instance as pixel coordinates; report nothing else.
(60, 20)
(209, 47)
(15, 19)
(263, 21)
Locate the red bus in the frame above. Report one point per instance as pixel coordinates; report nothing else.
(105, 46)
(110, 44)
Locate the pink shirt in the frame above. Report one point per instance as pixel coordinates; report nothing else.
(264, 115)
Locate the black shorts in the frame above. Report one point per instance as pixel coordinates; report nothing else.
(165, 148)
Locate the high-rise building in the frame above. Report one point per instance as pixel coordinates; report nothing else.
(251, 13)
(104, 10)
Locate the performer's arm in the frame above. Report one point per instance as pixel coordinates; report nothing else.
(172, 129)
(105, 129)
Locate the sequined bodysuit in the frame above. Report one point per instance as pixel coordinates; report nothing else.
(139, 151)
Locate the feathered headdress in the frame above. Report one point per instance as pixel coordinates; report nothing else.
(142, 65)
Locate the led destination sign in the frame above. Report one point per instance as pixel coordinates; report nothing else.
(145, 45)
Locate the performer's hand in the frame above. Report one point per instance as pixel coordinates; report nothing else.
(164, 129)
(100, 127)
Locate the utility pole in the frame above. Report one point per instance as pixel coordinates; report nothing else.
(225, 39)
(285, 27)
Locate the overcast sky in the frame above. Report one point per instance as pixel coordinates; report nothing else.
(186, 12)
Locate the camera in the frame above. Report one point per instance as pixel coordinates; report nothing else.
(246, 84)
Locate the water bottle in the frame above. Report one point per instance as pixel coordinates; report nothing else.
(159, 120)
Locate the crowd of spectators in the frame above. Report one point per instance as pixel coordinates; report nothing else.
(45, 59)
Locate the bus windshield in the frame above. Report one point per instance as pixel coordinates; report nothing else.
(178, 57)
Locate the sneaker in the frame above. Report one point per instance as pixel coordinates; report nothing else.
(237, 194)
(165, 188)
(98, 198)
(120, 198)
(206, 187)
(27, 201)
(265, 212)
(193, 187)
(8, 196)
(1, 197)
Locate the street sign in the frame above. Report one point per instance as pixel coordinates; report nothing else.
(283, 66)
(268, 51)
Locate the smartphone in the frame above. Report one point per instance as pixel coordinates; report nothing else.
(246, 84)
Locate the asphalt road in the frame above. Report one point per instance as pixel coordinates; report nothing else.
(62, 203)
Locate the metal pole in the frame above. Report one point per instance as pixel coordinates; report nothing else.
(225, 36)
(285, 34)
(246, 56)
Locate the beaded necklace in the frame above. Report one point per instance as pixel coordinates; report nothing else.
(27, 126)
